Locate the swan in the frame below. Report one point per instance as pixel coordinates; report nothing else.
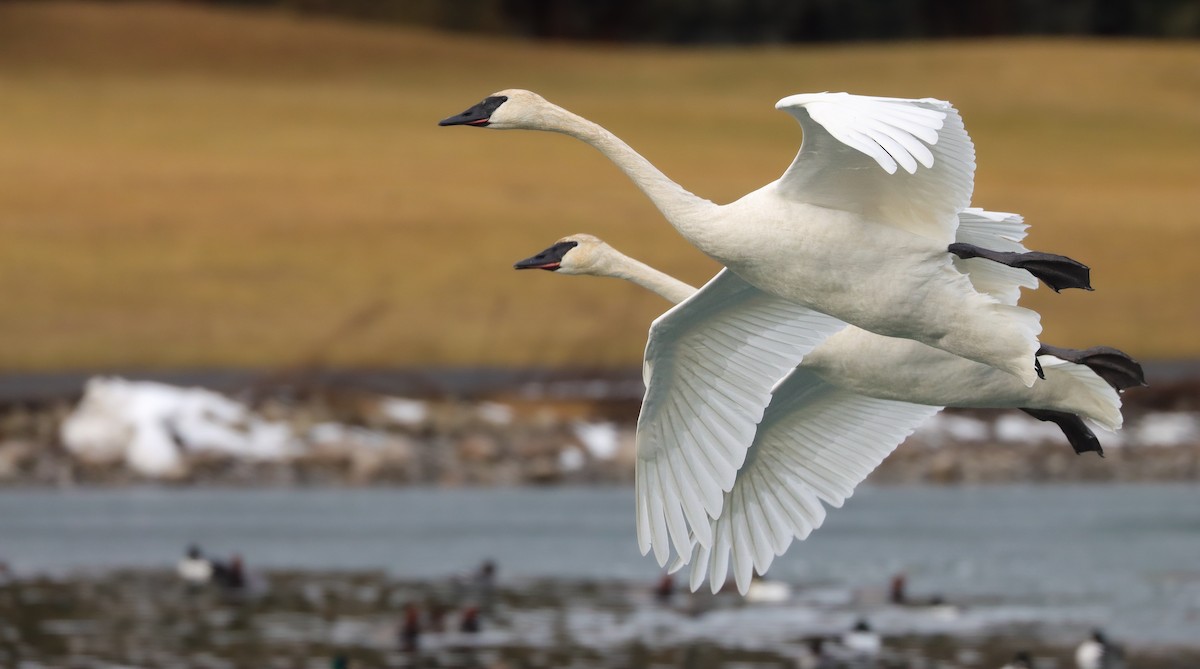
(858, 227)
(857, 230)
(857, 395)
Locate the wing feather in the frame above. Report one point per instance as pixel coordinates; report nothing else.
(691, 485)
(718, 561)
(711, 363)
(676, 525)
(816, 443)
(658, 522)
(999, 231)
(742, 559)
(906, 163)
(695, 577)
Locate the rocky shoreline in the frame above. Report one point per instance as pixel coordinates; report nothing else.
(367, 619)
(359, 438)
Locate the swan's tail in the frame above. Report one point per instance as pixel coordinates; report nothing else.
(1023, 326)
(987, 330)
(1091, 396)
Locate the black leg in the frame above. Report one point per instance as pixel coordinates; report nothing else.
(1081, 437)
(1115, 367)
(1056, 271)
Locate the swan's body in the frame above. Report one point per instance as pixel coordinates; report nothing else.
(890, 368)
(911, 291)
(908, 371)
(846, 231)
(850, 402)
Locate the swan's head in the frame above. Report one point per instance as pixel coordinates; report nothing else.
(575, 254)
(504, 110)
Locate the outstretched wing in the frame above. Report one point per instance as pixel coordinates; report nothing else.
(907, 163)
(711, 362)
(815, 444)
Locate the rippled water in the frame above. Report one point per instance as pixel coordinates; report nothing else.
(1124, 556)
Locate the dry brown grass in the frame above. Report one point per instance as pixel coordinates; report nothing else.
(186, 187)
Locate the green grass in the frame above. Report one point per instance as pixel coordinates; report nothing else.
(190, 187)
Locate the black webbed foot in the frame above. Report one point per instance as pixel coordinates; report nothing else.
(1110, 364)
(1057, 272)
(1081, 437)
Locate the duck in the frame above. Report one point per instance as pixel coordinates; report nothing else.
(1097, 652)
(762, 591)
(858, 230)
(861, 642)
(194, 568)
(856, 396)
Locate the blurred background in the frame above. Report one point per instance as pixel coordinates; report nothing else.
(240, 254)
(255, 185)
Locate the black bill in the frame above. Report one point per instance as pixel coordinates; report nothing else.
(550, 259)
(479, 115)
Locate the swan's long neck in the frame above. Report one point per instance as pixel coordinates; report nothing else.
(685, 211)
(620, 266)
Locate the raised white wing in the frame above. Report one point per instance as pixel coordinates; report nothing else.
(998, 231)
(711, 362)
(815, 444)
(906, 163)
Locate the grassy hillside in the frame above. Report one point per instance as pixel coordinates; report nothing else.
(186, 187)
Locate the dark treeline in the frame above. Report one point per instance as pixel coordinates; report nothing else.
(758, 21)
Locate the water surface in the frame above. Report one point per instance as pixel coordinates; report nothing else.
(1124, 556)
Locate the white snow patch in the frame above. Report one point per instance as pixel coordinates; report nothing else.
(945, 426)
(863, 645)
(1025, 428)
(404, 411)
(1167, 429)
(151, 425)
(494, 413)
(600, 439)
(571, 459)
(347, 436)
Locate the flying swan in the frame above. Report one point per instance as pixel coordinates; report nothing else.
(856, 396)
(858, 230)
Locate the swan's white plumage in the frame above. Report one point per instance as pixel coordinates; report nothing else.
(926, 156)
(998, 231)
(815, 444)
(830, 422)
(710, 365)
(836, 232)
(1103, 401)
